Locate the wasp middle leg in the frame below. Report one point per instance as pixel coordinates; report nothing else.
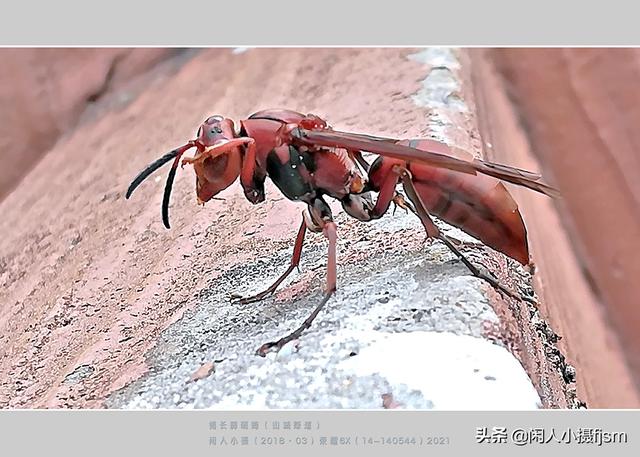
(322, 220)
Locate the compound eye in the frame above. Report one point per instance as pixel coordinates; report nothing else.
(214, 119)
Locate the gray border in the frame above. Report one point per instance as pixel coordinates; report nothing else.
(324, 23)
(188, 433)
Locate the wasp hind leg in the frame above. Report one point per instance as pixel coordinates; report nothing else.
(432, 230)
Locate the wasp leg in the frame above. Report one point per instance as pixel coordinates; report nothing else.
(217, 149)
(329, 230)
(425, 218)
(357, 156)
(295, 261)
(398, 200)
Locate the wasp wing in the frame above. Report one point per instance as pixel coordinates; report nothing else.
(431, 152)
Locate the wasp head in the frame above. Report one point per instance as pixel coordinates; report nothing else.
(213, 131)
(217, 162)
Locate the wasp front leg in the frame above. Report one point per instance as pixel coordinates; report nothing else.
(252, 176)
(218, 149)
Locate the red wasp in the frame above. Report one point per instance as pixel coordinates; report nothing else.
(309, 161)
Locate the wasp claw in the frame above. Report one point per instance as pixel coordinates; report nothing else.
(276, 346)
(268, 347)
(237, 299)
(400, 201)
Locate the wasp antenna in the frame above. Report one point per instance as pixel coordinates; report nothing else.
(144, 174)
(175, 155)
(167, 193)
